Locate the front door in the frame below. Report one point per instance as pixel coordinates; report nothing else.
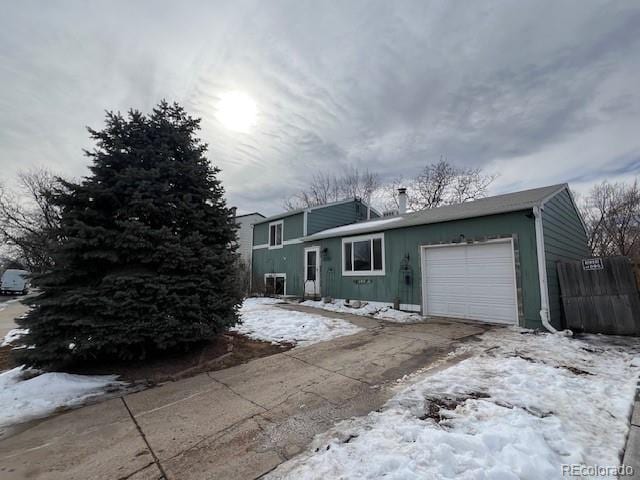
(312, 271)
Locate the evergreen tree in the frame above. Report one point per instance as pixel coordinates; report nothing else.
(147, 257)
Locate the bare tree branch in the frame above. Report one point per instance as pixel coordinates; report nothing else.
(612, 215)
(29, 219)
(326, 188)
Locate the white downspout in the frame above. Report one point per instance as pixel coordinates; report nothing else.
(542, 272)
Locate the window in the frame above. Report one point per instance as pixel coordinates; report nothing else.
(311, 265)
(275, 284)
(363, 255)
(275, 234)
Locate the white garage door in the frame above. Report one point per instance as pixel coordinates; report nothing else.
(470, 281)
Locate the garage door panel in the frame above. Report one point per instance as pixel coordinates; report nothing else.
(497, 313)
(449, 309)
(490, 292)
(471, 281)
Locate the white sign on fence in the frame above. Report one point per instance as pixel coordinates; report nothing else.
(592, 264)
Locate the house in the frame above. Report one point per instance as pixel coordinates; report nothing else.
(245, 234)
(491, 260)
(279, 255)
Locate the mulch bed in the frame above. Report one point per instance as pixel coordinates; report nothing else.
(227, 350)
(5, 362)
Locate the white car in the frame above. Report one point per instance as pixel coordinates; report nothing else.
(14, 282)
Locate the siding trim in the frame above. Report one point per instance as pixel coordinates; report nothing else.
(293, 241)
(305, 219)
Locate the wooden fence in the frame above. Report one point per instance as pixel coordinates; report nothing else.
(600, 296)
(635, 265)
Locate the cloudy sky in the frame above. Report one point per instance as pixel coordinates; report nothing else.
(539, 92)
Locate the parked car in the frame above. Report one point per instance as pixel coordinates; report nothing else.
(14, 282)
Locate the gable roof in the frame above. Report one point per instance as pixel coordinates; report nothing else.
(249, 214)
(509, 202)
(317, 207)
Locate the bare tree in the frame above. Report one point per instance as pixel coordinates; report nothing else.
(612, 216)
(327, 188)
(439, 184)
(29, 219)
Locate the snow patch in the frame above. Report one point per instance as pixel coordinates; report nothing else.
(25, 399)
(377, 310)
(13, 335)
(261, 320)
(521, 407)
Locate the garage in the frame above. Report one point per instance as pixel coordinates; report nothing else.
(471, 281)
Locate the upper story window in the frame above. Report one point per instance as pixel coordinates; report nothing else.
(363, 255)
(275, 234)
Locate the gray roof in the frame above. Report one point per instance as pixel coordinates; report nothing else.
(509, 202)
(317, 207)
(247, 214)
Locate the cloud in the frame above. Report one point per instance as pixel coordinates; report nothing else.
(539, 91)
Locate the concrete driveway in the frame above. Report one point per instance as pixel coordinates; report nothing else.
(236, 423)
(8, 313)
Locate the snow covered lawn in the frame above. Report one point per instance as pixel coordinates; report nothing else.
(261, 320)
(25, 397)
(26, 394)
(519, 408)
(372, 309)
(13, 335)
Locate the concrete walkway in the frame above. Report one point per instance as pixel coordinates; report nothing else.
(9, 312)
(236, 423)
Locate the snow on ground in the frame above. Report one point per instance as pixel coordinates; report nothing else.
(372, 309)
(23, 398)
(13, 335)
(523, 405)
(261, 320)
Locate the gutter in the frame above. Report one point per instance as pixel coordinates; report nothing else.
(542, 271)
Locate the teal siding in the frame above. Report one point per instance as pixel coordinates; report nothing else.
(292, 228)
(564, 239)
(406, 242)
(335, 216)
(260, 233)
(289, 259)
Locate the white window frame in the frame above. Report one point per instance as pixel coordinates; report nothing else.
(363, 273)
(275, 275)
(281, 244)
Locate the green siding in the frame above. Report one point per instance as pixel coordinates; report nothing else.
(335, 216)
(292, 228)
(564, 239)
(289, 259)
(260, 233)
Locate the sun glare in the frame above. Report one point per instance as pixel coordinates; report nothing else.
(237, 111)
